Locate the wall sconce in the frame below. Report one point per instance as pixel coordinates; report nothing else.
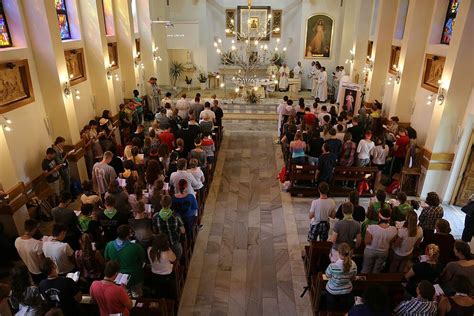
(430, 100)
(156, 56)
(70, 91)
(396, 77)
(5, 122)
(351, 58)
(441, 95)
(369, 65)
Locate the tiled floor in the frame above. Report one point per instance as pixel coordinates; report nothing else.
(247, 258)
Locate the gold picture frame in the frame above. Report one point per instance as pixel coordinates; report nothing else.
(76, 66)
(257, 16)
(138, 48)
(113, 55)
(16, 88)
(230, 22)
(276, 22)
(319, 34)
(370, 46)
(432, 72)
(394, 59)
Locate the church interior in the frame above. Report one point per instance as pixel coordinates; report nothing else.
(236, 157)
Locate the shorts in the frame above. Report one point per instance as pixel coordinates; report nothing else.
(55, 187)
(320, 230)
(379, 167)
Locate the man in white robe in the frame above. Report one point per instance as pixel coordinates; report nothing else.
(153, 95)
(297, 74)
(336, 79)
(322, 93)
(280, 110)
(314, 79)
(272, 71)
(284, 75)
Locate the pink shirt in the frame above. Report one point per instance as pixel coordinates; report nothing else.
(110, 297)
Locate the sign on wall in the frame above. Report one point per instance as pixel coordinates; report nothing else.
(319, 32)
(183, 35)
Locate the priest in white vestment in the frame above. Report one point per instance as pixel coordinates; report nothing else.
(322, 92)
(272, 71)
(297, 74)
(284, 75)
(315, 70)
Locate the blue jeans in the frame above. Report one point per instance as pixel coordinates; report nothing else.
(298, 160)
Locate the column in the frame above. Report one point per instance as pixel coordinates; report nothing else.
(125, 45)
(360, 37)
(447, 118)
(48, 51)
(146, 38)
(97, 55)
(412, 54)
(382, 47)
(159, 9)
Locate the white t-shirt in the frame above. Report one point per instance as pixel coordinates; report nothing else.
(406, 246)
(30, 251)
(198, 175)
(207, 111)
(379, 154)
(321, 208)
(364, 148)
(162, 266)
(59, 252)
(381, 237)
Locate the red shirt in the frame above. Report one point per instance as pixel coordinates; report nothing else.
(110, 297)
(309, 119)
(168, 139)
(207, 141)
(402, 143)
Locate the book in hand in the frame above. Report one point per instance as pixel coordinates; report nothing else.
(438, 290)
(74, 276)
(423, 258)
(122, 279)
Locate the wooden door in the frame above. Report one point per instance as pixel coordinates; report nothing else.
(467, 183)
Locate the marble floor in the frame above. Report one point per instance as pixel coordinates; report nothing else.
(247, 258)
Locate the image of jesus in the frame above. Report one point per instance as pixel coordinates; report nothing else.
(318, 38)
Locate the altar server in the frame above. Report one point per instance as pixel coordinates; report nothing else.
(298, 73)
(284, 74)
(322, 92)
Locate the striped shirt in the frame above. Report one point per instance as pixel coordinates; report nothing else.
(416, 307)
(339, 281)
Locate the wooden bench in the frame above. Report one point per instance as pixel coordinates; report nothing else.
(354, 175)
(303, 173)
(142, 307)
(316, 258)
(392, 283)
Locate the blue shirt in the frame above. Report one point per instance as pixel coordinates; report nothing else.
(339, 281)
(185, 207)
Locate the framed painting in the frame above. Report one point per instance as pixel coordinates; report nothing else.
(432, 72)
(113, 55)
(230, 22)
(394, 59)
(15, 85)
(253, 23)
(138, 48)
(350, 95)
(319, 31)
(448, 25)
(76, 66)
(370, 46)
(276, 23)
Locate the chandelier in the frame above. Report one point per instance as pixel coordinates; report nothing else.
(247, 53)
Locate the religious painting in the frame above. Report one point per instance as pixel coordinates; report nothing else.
(433, 71)
(230, 22)
(113, 56)
(276, 23)
(370, 46)
(138, 49)
(15, 85)
(253, 23)
(448, 25)
(349, 99)
(350, 95)
(75, 64)
(319, 30)
(63, 22)
(253, 57)
(5, 38)
(394, 59)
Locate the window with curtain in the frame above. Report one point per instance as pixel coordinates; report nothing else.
(5, 38)
(63, 22)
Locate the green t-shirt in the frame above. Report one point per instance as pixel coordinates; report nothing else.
(131, 258)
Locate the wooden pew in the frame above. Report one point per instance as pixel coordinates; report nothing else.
(306, 173)
(392, 282)
(352, 174)
(316, 258)
(142, 307)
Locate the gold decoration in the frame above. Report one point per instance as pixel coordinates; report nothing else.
(75, 64)
(276, 26)
(394, 58)
(432, 72)
(230, 22)
(15, 85)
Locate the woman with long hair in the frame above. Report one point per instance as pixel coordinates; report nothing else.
(121, 198)
(158, 192)
(185, 205)
(137, 197)
(427, 269)
(464, 267)
(408, 237)
(297, 149)
(25, 296)
(162, 258)
(153, 172)
(89, 260)
(340, 274)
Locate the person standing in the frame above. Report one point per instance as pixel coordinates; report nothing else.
(59, 251)
(103, 174)
(363, 150)
(284, 75)
(111, 298)
(162, 258)
(468, 230)
(153, 94)
(63, 214)
(319, 213)
(298, 74)
(315, 70)
(431, 211)
(322, 93)
(337, 79)
(61, 159)
(345, 231)
(272, 71)
(183, 107)
(51, 172)
(281, 110)
(31, 250)
(218, 113)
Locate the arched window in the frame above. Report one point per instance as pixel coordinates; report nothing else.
(5, 38)
(63, 22)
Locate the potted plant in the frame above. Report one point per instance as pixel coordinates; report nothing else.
(176, 70)
(202, 79)
(189, 81)
(252, 97)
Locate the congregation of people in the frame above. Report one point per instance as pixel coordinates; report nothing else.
(134, 222)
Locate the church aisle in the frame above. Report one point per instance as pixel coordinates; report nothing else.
(247, 258)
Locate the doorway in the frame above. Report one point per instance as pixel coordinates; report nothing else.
(466, 187)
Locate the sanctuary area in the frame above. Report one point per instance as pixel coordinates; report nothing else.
(236, 157)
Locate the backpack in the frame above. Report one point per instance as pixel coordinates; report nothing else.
(283, 175)
(393, 187)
